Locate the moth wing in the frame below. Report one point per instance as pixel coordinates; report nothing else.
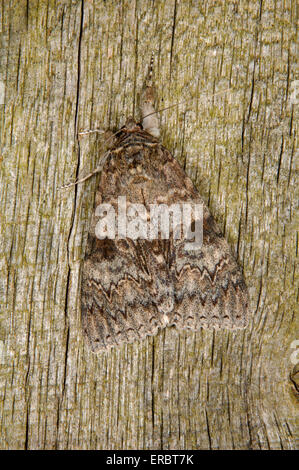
(209, 286)
(125, 291)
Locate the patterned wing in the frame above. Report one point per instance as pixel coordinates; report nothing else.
(132, 287)
(126, 291)
(209, 287)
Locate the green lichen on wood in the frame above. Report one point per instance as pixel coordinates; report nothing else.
(77, 65)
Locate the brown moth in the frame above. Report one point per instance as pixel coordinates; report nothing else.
(131, 287)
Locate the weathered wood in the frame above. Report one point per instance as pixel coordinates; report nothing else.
(79, 64)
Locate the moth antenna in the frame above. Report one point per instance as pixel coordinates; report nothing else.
(183, 102)
(151, 70)
(150, 121)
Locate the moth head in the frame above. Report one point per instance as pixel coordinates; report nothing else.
(131, 125)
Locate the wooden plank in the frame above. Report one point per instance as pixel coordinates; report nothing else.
(69, 65)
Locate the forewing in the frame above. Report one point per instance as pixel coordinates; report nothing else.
(209, 286)
(126, 291)
(130, 288)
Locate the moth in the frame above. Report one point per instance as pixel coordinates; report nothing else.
(130, 286)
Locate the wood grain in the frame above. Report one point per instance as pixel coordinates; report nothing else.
(69, 65)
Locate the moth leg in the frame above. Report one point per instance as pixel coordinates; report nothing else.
(108, 141)
(108, 136)
(91, 131)
(150, 120)
(89, 175)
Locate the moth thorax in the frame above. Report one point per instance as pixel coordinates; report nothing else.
(131, 124)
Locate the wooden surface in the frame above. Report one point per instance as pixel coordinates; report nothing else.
(72, 65)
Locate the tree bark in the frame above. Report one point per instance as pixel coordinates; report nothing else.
(71, 65)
